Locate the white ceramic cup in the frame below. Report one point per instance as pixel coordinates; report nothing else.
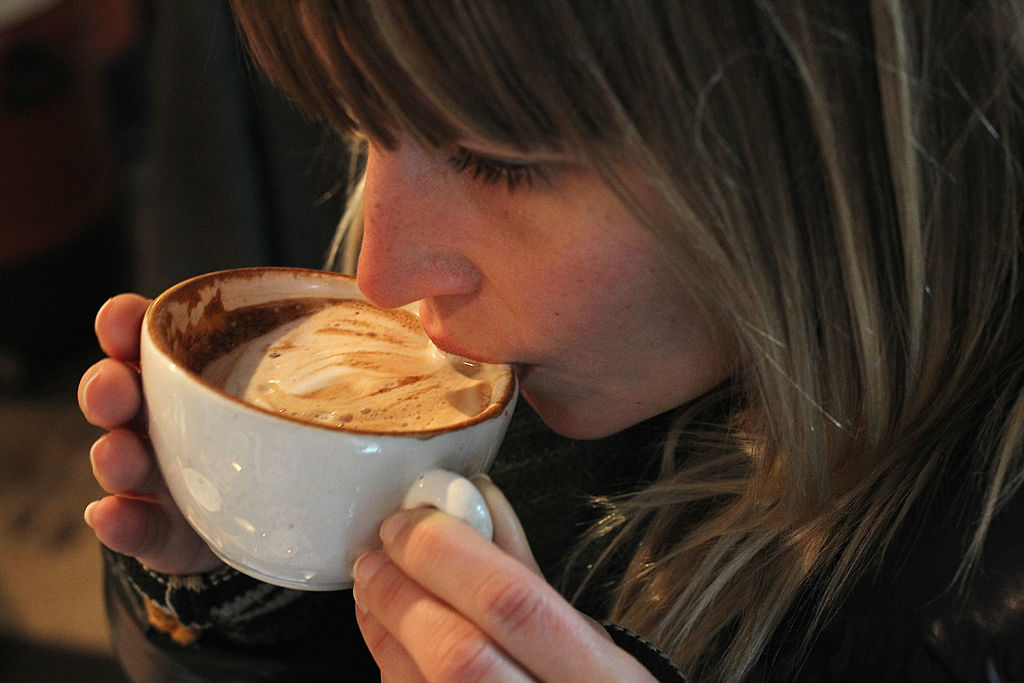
(289, 502)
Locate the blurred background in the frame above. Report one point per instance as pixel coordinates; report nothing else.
(138, 147)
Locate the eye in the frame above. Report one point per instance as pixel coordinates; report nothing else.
(494, 172)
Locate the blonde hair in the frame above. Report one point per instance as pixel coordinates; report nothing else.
(846, 185)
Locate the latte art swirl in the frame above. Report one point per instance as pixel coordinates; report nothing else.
(353, 366)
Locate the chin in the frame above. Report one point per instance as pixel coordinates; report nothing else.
(575, 422)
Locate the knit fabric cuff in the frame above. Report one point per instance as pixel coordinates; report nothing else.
(237, 607)
(660, 666)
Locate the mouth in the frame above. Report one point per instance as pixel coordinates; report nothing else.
(522, 371)
(449, 346)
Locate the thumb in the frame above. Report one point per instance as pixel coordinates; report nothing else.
(508, 532)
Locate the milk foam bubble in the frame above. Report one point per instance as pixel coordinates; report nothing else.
(353, 366)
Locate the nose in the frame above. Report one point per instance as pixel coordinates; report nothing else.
(412, 223)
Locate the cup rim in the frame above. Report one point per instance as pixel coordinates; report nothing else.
(160, 345)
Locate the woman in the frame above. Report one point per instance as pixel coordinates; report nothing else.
(795, 228)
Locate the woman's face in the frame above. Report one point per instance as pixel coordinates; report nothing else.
(534, 261)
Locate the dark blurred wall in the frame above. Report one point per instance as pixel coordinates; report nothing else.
(138, 147)
(229, 175)
(62, 243)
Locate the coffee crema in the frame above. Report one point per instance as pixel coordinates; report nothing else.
(349, 365)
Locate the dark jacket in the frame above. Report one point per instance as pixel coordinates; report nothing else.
(906, 621)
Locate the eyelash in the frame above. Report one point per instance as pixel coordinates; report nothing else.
(493, 172)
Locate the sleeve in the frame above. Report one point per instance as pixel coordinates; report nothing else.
(225, 626)
(660, 666)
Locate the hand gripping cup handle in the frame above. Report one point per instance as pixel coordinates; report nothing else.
(453, 494)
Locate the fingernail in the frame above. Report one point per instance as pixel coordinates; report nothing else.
(390, 528)
(83, 390)
(366, 566)
(105, 304)
(92, 452)
(87, 515)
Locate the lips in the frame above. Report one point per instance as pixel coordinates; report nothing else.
(522, 371)
(449, 345)
(447, 342)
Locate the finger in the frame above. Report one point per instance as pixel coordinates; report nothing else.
(508, 601)
(509, 534)
(109, 394)
(444, 645)
(146, 531)
(121, 463)
(118, 324)
(508, 531)
(394, 662)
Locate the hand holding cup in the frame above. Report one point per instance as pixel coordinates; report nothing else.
(289, 493)
(139, 518)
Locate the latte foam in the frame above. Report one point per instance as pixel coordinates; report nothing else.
(353, 366)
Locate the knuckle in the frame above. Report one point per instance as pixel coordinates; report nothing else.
(425, 544)
(510, 602)
(384, 589)
(377, 638)
(153, 533)
(463, 654)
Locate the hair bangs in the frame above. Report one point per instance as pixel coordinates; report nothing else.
(436, 72)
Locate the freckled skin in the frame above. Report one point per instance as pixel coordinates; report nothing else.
(557, 276)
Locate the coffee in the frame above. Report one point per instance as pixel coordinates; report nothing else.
(344, 363)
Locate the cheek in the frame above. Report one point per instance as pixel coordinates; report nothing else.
(639, 349)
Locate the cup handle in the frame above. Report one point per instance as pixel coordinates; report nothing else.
(451, 493)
